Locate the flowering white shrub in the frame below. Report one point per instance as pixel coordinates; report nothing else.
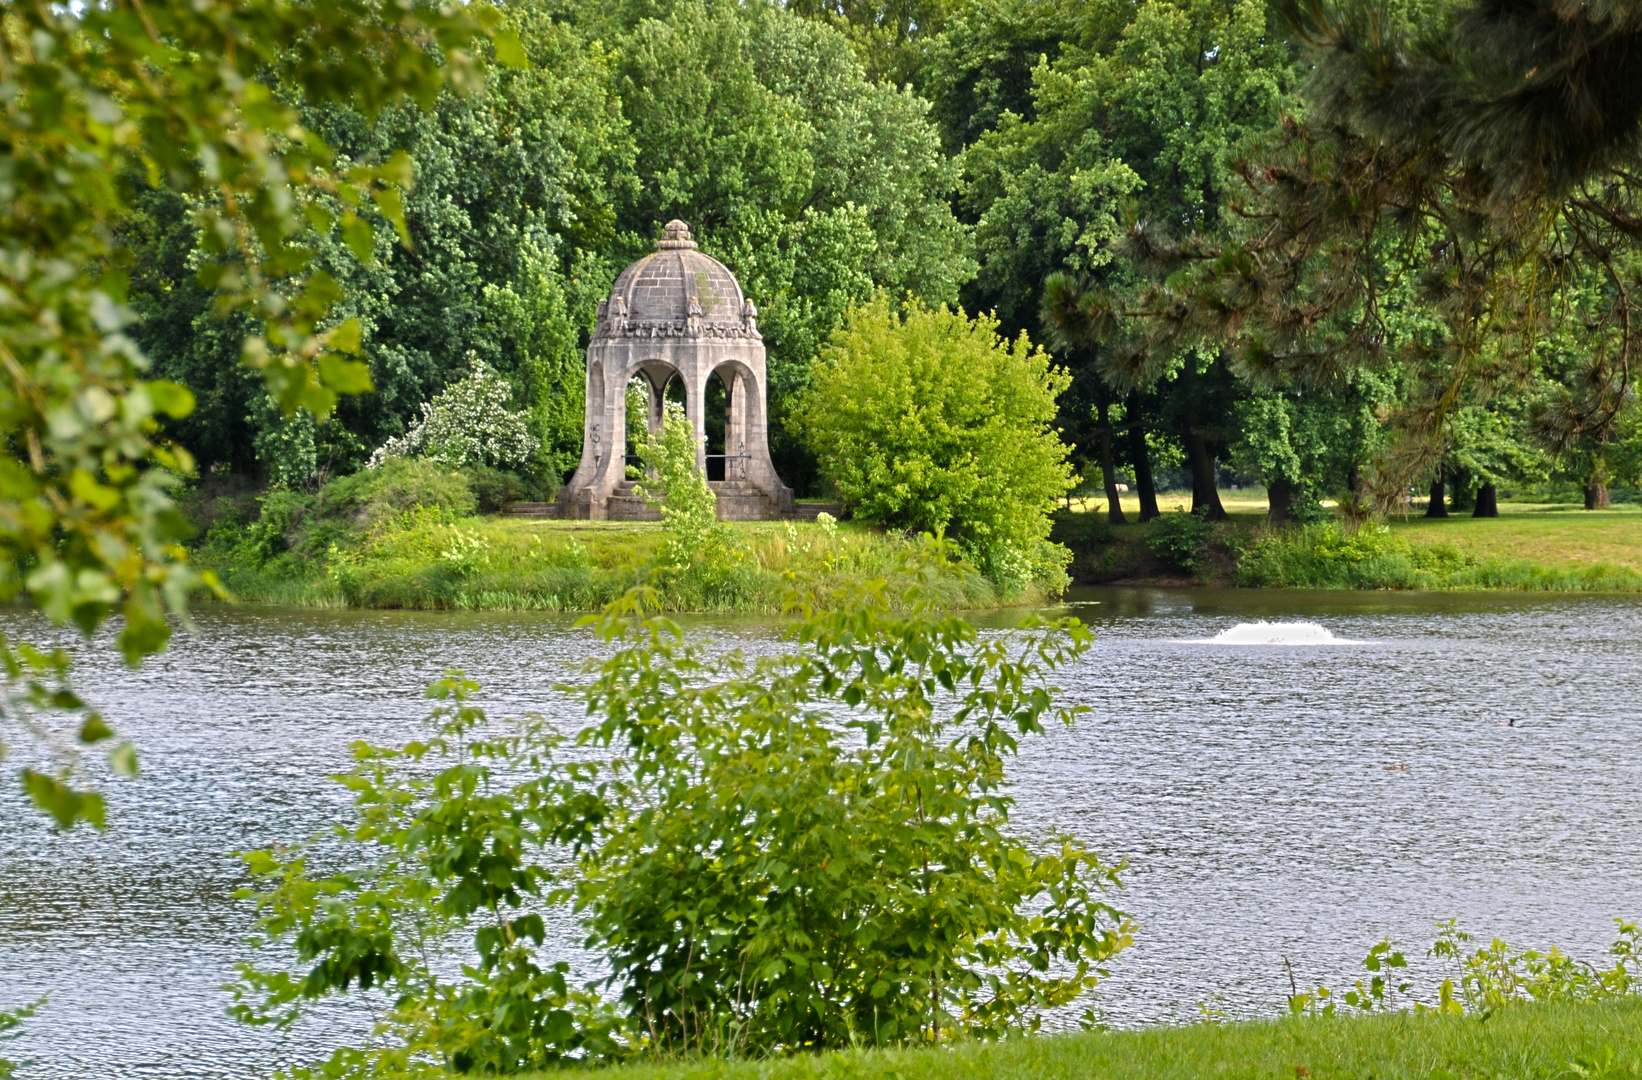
(468, 423)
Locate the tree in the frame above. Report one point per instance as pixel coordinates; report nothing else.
(926, 419)
(184, 96)
(1138, 115)
(510, 218)
(1472, 162)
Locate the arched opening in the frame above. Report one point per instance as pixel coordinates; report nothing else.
(655, 383)
(715, 417)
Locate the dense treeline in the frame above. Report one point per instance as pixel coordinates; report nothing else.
(1092, 172)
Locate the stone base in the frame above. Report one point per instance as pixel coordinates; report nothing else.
(737, 500)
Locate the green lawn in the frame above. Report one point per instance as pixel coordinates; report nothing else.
(1526, 1042)
(1564, 536)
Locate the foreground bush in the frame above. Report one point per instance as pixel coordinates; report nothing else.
(802, 851)
(927, 420)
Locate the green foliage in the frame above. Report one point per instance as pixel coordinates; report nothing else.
(1493, 976)
(703, 555)
(1328, 555)
(1130, 109)
(875, 893)
(1487, 979)
(10, 1021)
(377, 495)
(688, 506)
(927, 420)
(1181, 540)
(494, 489)
(1305, 443)
(93, 98)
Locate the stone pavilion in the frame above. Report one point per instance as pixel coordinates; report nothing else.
(676, 314)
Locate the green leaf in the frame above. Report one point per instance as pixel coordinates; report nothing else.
(344, 376)
(391, 202)
(344, 337)
(360, 237)
(65, 805)
(173, 399)
(510, 51)
(123, 759)
(95, 730)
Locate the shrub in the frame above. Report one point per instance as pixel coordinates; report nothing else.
(494, 489)
(927, 420)
(1329, 556)
(1181, 539)
(791, 852)
(470, 423)
(1080, 532)
(372, 497)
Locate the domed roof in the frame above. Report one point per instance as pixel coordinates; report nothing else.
(676, 292)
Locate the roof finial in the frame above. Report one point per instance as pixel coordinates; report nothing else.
(675, 236)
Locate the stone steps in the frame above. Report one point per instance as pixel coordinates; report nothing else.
(531, 510)
(811, 511)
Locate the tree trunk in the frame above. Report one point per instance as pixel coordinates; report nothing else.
(1205, 492)
(1487, 501)
(1141, 457)
(1114, 509)
(1280, 499)
(1596, 497)
(1354, 480)
(1439, 498)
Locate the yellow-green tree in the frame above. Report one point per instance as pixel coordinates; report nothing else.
(926, 419)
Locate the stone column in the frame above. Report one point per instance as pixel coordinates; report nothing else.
(695, 410)
(735, 428)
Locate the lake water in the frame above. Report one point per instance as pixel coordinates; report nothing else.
(1415, 758)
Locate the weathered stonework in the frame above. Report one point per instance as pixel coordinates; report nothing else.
(676, 312)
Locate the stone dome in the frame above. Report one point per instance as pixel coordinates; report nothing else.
(676, 292)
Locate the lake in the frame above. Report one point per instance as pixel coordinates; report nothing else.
(1414, 757)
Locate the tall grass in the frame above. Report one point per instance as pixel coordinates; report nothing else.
(427, 558)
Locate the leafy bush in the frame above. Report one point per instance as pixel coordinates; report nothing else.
(1329, 556)
(470, 423)
(1181, 539)
(10, 1021)
(494, 489)
(800, 851)
(374, 496)
(1080, 532)
(928, 420)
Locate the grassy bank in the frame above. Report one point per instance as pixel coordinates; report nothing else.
(1524, 1042)
(1528, 547)
(415, 537)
